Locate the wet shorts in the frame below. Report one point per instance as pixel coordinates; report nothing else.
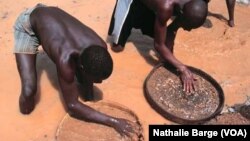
(25, 38)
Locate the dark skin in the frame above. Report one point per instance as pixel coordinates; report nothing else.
(63, 38)
(163, 42)
(230, 9)
(164, 36)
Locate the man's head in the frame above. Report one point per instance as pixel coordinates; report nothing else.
(194, 14)
(97, 63)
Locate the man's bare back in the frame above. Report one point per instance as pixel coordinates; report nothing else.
(61, 34)
(161, 4)
(157, 4)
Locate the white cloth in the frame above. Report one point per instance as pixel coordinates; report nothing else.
(121, 12)
(244, 1)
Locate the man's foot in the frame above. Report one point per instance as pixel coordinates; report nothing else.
(231, 23)
(26, 105)
(117, 48)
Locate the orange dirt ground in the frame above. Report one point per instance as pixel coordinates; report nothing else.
(217, 49)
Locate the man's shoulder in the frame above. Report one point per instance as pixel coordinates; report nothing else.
(41, 11)
(164, 9)
(65, 60)
(164, 5)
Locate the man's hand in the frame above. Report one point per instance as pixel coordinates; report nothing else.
(127, 128)
(187, 80)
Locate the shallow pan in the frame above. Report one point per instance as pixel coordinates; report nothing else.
(163, 91)
(71, 129)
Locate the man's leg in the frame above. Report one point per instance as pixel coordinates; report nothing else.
(125, 29)
(26, 65)
(230, 8)
(125, 33)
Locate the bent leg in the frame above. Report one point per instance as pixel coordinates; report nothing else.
(26, 65)
(230, 8)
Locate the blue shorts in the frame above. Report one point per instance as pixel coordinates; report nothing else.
(25, 38)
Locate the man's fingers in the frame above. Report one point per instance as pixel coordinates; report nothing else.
(124, 133)
(184, 86)
(194, 86)
(195, 78)
(136, 128)
(130, 136)
(190, 83)
(188, 88)
(137, 131)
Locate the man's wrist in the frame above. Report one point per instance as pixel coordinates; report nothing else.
(181, 69)
(112, 121)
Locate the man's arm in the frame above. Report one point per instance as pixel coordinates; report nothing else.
(70, 94)
(160, 44)
(85, 87)
(78, 110)
(230, 8)
(171, 34)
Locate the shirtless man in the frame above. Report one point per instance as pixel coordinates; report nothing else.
(74, 48)
(151, 17)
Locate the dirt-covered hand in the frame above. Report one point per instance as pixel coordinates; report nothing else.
(127, 128)
(187, 80)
